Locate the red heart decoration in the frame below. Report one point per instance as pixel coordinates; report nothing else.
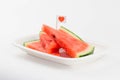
(61, 18)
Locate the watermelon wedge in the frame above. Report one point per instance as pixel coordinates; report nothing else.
(45, 44)
(67, 31)
(35, 44)
(74, 47)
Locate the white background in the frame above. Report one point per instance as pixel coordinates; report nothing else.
(97, 20)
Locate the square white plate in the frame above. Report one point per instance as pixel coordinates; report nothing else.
(99, 52)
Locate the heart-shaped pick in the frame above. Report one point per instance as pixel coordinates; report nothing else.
(61, 18)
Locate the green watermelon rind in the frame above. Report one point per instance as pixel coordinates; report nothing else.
(28, 42)
(88, 51)
(70, 32)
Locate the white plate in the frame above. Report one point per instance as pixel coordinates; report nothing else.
(99, 52)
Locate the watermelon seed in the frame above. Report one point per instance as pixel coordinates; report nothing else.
(53, 36)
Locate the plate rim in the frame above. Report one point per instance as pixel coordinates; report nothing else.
(17, 44)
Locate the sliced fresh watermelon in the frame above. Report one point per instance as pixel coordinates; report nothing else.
(74, 47)
(35, 44)
(67, 31)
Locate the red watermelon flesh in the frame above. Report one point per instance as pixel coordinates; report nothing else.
(67, 42)
(36, 45)
(49, 44)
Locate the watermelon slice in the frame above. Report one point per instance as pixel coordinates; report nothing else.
(45, 44)
(35, 44)
(74, 47)
(67, 31)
